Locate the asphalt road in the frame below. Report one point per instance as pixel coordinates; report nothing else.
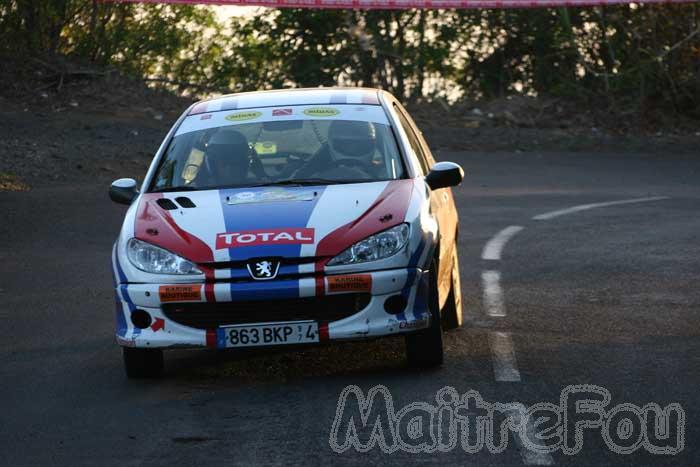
(605, 296)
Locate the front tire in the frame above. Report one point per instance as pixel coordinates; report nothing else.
(142, 363)
(424, 347)
(452, 311)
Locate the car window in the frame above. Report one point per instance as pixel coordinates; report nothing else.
(424, 144)
(413, 140)
(342, 143)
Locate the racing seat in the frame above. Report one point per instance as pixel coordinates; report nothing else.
(228, 160)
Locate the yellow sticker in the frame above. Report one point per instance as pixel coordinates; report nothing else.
(241, 116)
(266, 147)
(321, 112)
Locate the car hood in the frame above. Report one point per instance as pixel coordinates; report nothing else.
(228, 225)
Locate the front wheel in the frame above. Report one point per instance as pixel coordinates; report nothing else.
(424, 347)
(452, 311)
(142, 363)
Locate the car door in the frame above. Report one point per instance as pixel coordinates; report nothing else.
(441, 203)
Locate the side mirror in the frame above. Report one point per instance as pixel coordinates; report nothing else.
(123, 191)
(444, 174)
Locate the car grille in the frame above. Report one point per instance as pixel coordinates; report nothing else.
(213, 315)
(283, 261)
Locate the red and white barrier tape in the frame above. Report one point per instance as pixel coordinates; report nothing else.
(406, 4)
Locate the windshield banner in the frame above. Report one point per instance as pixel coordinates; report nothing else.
(362, 113)
(406, 4)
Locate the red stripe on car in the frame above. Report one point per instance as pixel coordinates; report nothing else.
(370, 98)
(320, 283)
(199, 108)
(155, 225)
(211, 338)
(391, 204)
(323, 332)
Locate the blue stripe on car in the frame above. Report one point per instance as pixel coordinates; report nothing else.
(339, 98)
(420, 303)
(267, 215)
(121, 319)
(229, 104)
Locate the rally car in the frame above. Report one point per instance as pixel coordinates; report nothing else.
(288, 217)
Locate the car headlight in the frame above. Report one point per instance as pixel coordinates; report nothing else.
(375, 247)
(156, 260)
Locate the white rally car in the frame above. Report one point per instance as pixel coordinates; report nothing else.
(288, 217)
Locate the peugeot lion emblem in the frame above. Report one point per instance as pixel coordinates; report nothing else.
(263, 269)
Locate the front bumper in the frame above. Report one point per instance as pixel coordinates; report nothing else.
(370, 322)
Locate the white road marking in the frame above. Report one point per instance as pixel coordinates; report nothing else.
(493, 247)
(505, 367)
(584, 207)
(493, 294)
(530, 456)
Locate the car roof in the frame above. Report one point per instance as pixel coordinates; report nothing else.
(288, 97)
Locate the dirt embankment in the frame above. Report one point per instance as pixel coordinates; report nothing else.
(66, 126)
(94, 127)
(525, 124)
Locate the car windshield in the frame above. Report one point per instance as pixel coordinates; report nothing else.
(268, 146)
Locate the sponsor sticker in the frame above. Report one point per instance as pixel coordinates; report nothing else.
(351, 283)
(126, 342)
(286, 236)
(321, 112)
(180, 293)
(242, 116)
(269, 196)
(246, 195)
(412, 324)
(328, 111)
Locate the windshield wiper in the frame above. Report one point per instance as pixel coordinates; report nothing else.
(176, 188)
(307, 182)
(288, 182)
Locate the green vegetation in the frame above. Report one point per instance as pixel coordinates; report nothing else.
(628, 59)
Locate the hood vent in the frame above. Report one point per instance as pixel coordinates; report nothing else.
(166, 204)
(185, 202)
(169, 205)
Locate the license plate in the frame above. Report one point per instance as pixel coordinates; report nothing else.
(251, 335)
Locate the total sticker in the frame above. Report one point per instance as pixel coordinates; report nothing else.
(180, 293)
(321, 112)
(242, 116)
(352, 283)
